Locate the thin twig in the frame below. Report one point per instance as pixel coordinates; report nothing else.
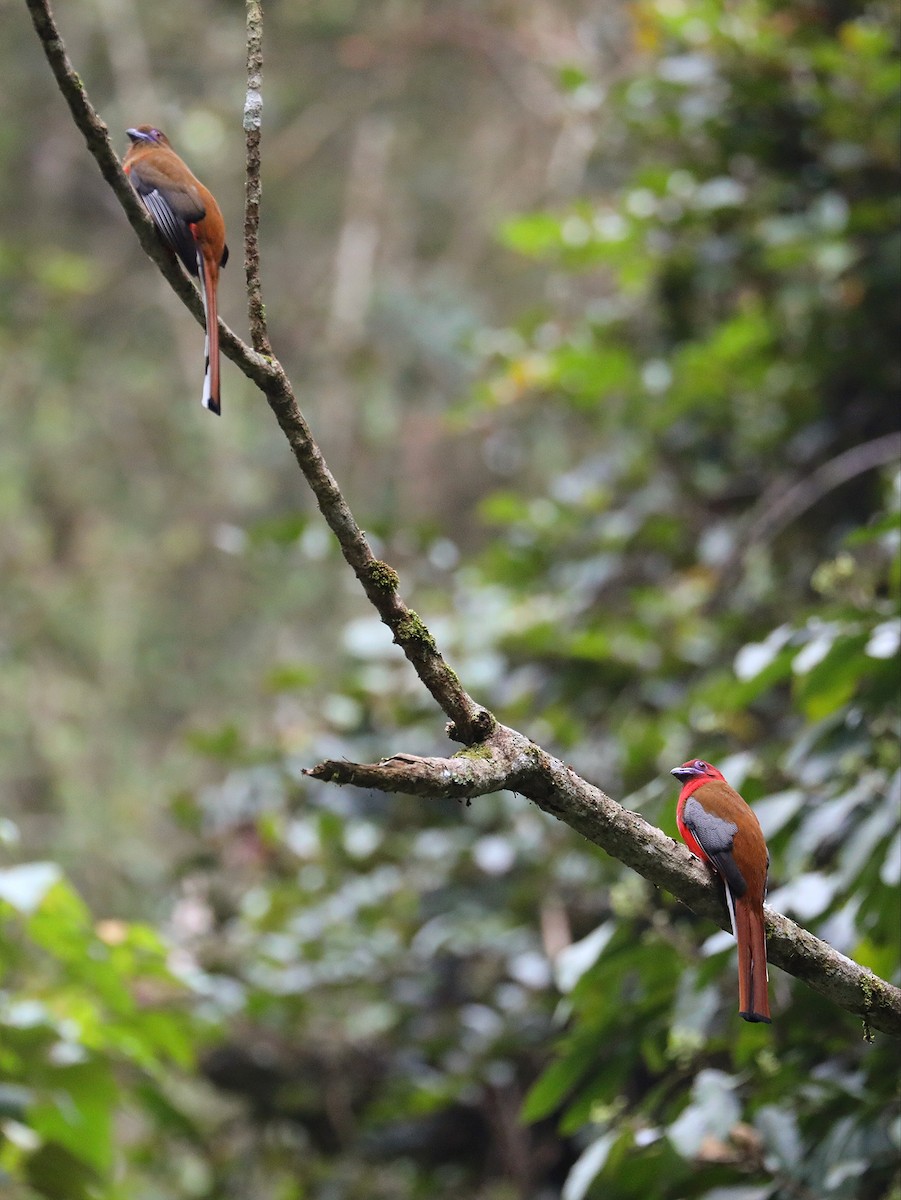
(253, 128)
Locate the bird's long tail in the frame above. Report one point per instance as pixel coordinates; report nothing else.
(750, 933)
(208, 279)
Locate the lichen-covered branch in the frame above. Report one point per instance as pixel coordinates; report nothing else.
(253, 129)
(507, 760)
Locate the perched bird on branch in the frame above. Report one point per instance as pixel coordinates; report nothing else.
(190, 222)
(720, 828)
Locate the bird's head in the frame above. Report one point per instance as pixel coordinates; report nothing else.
(696, 768)
(147, 133)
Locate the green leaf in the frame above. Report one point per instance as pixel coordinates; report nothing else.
(833, 681)
(79, 1115)
(571, 78)
(56, 1173)
(534, 235)
(225, 743)
(559, 1079)
(290, 677)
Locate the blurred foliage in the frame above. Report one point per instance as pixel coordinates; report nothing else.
(615, 501)
(78, 1002)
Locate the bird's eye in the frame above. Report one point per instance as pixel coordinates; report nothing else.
(700, 764)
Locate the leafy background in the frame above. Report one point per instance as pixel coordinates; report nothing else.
(587, 304)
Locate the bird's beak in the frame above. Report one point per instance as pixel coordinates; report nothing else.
(135, 135)
(683, 774)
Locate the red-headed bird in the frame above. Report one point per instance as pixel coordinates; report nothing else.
(190, 222)
(720, 828)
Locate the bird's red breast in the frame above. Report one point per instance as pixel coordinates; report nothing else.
(721, 828)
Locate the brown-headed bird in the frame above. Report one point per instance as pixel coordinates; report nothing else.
(190, 222)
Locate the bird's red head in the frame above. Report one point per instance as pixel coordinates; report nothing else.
(147, 133)
(696, 771)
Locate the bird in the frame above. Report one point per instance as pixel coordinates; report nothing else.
(190, 222)
(722, 829)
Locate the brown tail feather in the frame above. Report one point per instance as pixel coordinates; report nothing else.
(753, 997)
